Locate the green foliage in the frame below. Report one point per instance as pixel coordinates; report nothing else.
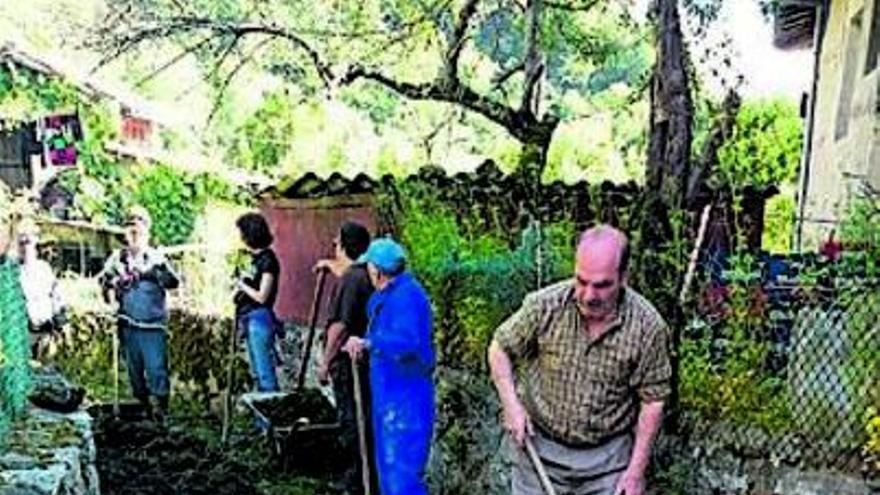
(264, 138)
(723, 374)
(469, 441)
(379, 103)
(872, 447)
(861, 368)
(172, 203)
(198, 346)
(587, 53)
(474, 278)
(105, 186)
(657, 271)
(860, 227)
(25, 95)
(765, 147)
(779, 223)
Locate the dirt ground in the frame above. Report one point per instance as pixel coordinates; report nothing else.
(185, 457)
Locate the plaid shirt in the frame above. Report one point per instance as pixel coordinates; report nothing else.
(583, 392)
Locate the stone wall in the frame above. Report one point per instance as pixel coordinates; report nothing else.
(50, 454)
(717, 461)
(722, 473)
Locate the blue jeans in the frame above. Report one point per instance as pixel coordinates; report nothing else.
(146, 355)
(258, 327)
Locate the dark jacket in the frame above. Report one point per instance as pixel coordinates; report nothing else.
(140, 287)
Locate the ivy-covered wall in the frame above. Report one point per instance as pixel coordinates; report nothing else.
(103, 184)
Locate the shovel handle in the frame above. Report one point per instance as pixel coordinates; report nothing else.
(316, 306)
(362, 430)
(539, 467)
(116, 371)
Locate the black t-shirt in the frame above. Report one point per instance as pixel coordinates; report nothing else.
(262, 262)
(349, 304)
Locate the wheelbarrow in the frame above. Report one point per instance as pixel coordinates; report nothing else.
(296, 424)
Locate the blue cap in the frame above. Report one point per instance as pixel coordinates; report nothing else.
(386, 255)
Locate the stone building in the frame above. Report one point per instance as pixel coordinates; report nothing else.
(842, 145)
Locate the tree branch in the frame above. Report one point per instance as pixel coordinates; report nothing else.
(243, 29)
(513, 121)
(231, 75)
(456, 43)
(162, 68)
(584, 6)
(499, 79)
(521, 123)
(534, 64)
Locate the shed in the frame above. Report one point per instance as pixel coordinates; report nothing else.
(305, 217)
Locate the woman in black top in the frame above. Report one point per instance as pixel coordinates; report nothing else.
(255, 299)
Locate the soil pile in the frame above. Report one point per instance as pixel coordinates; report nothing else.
(144, 458)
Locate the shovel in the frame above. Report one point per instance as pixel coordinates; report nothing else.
(539, 468)
(361, 426)
(116, 411)
(316, 306)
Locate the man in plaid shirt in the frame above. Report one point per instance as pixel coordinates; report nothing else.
(593, 357)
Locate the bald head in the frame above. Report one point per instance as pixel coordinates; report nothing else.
(605, 244)
(600, 271)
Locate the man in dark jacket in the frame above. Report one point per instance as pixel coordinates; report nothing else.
(347, 318)
(137, 277)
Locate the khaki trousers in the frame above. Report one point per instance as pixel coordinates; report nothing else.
(573, 471)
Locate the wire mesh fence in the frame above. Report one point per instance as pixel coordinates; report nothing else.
(787, 353)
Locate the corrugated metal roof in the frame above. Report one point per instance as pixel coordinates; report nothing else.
(795, 23)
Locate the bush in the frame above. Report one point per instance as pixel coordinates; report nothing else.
(724, 373)
(475, 279)
(175, 199)
(765, 148)
(198, 347)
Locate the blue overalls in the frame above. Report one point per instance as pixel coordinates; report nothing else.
(401, 368)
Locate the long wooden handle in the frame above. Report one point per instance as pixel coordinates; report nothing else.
(313, 321)
(695, 254)
(539, 468)
(116, 371)
(362, 430)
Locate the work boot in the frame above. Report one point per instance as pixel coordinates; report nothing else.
(160, 410)
(146, 409)
(349, 484)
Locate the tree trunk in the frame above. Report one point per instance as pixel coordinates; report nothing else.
(667, 174)
(669, 149)
(531, 166)
(668, 164)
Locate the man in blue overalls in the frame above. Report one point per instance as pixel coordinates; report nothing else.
(400, 346)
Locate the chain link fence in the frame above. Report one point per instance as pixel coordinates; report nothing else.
(786, 354)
